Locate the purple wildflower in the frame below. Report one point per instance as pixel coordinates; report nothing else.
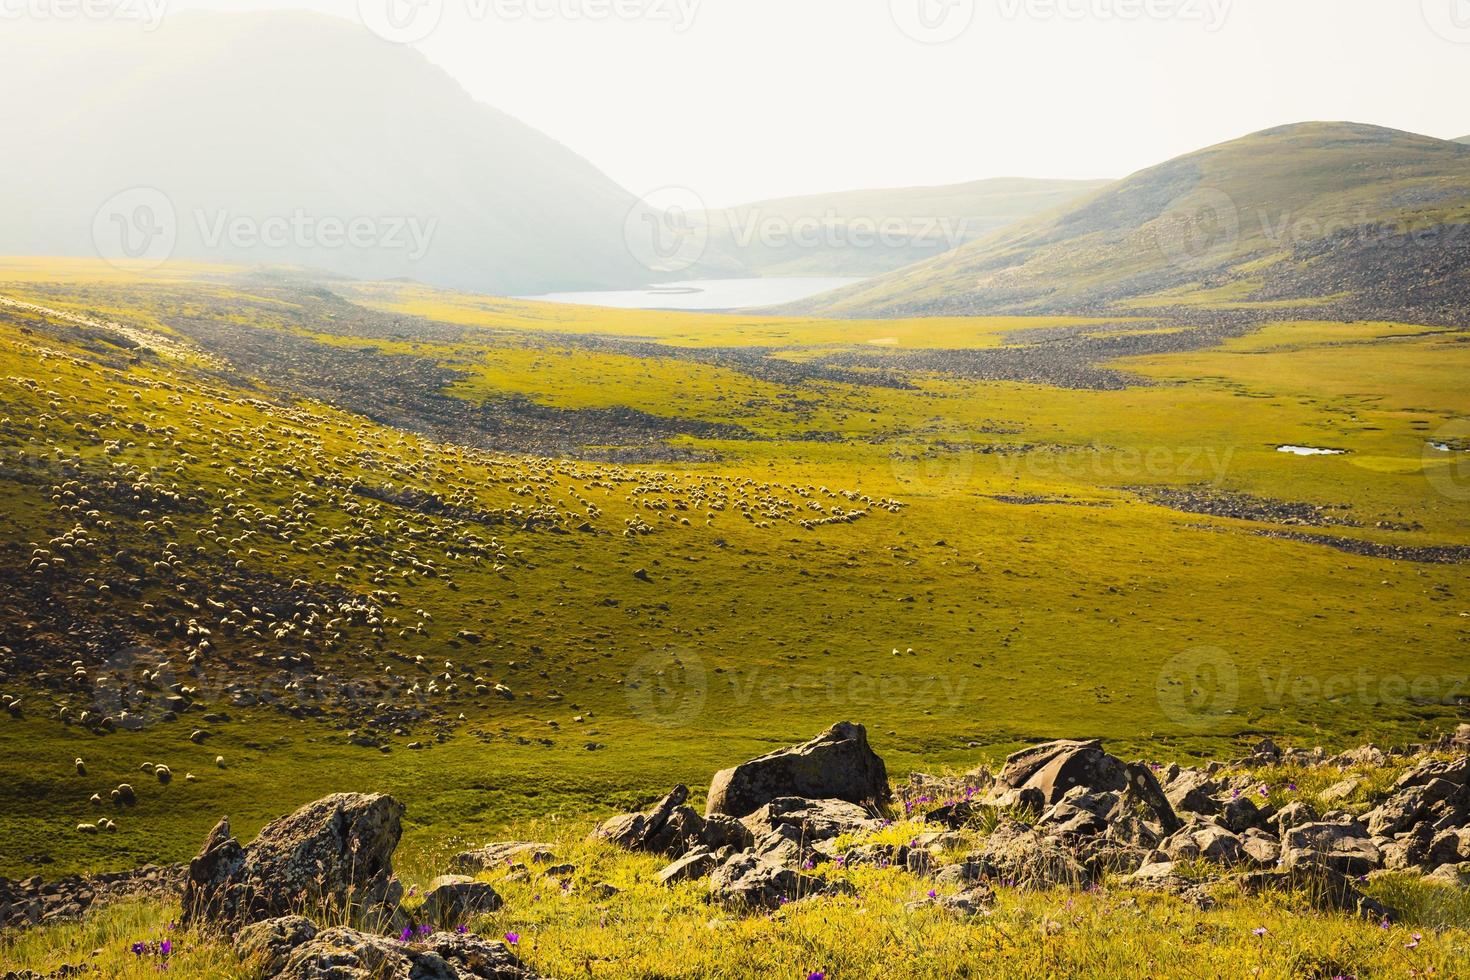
(405, 935)
(166, 947)
(461, 929)
(933, 893)
(139, 949)
(1258, 931)
(816, 975)
(425, 929)
(512, 937)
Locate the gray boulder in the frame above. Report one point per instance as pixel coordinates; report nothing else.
(265, 946)
(452, 899)
(291, 952)
(1208, 841)
(813, 820)
(1059, 767)
(335, 855)
(747, 882)
(1408, 806)
(1022, 857)
(698, 863)
(1343, 847)
(1193, 791)
(837, 764)
(670, 828)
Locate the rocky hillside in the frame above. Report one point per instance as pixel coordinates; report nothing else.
(1067, 852)
(1367, 220)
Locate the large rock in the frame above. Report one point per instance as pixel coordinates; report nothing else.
(289, 950)
(813, 820)
(1208, 841)
(452, 899)
(1193, 791)
(1456, 772)
(1019, 856)
(746, 881)
(1409, 806)
(1059, 767)
(266, 946)
(670, 828)
(1343, 847)
(838, 764)
(334, 855)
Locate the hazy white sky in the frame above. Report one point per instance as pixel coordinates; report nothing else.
(746, 99)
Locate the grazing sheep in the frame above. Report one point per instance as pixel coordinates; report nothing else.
(219, 760)
(81, 767)
(86, 828)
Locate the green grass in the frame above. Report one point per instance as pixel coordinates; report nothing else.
(1025, 622)
(648, 930)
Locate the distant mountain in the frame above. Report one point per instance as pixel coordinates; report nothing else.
(294, 139)
(1463, 139)
(865, 233)
(1300, 213)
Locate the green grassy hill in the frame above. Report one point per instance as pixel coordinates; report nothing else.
(390, 538)
(1359, 219)
(866, 233)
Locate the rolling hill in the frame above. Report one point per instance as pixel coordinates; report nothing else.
(260, 118)
(1463, 139)
(1354, 217)
(867, 233)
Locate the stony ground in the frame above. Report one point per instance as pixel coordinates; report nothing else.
(808, 862)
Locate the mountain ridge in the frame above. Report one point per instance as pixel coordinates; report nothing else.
(1293, 213)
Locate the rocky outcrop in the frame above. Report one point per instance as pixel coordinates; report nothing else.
(836, 765)
(294, 949)
(334, 855)
(1056, 768)
(670, 828)
(746, 881)
(34, 901)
